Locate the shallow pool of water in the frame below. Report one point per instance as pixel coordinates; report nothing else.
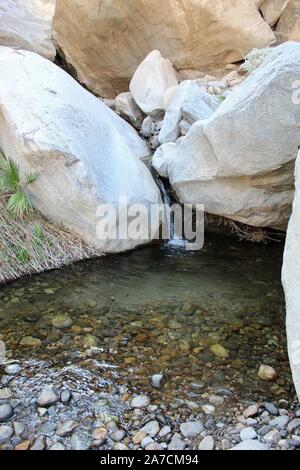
(155, 310)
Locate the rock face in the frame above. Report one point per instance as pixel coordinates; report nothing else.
(288, 28)
(115, 36)
(272, 10)
(83, 154)
(26, 24)
(150, 82)
(239, 163)
(290, 278)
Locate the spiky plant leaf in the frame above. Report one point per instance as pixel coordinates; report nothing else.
(11, 176)
(30, 178)
(19, 204)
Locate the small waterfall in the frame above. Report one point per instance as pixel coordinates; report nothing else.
(174, 241)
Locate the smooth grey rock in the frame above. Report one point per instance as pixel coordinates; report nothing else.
(47, 397)
(157, 380)
(250, 445)
(248, 433)
(65, 429)
(61, 321)
(140, 401)
(191, 428)
(65, 396)
(6, 433)
(294, 424)
(6, 412)
(81, 440)
(207, 443)
(151, 428)
(272, 437)
(39, 443)
(12, 369)
(279, 422)
(271, 408)
(118, 435)
(176, 443)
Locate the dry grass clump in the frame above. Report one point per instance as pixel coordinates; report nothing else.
(242, 231)
(28, 242)
(32, 245)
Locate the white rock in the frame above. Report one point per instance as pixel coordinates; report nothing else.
(162, 157)
(250, 445)
(128, 109)
(248, 433)
(267, 373)
(140, 401)
(207, 443)
(26, 24)
(191, 428)
(239, 163)
(272, 437)
(151, 428)
(189, 102)
(150, 82)
(83, 154)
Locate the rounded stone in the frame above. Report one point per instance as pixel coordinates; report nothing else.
(12, 369)
(219, 351)
(118, 435)
(140, 401)
(267, 373)
(30, 342)
(6, 412)
(157, 380)
(65, 396)
(47, 397)
(6, 433)
(248, 433)
(90, 341)
(207, 443)
(61, 321)
(191, 428)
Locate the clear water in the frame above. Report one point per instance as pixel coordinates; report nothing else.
(160, 310)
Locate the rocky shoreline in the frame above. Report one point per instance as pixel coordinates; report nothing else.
(46, 407)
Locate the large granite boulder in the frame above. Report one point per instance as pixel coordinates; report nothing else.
(291, 283)
(26, 24)
(239, 163)
(272, 10)
(288, 27)
(83, 154)
(106, 41)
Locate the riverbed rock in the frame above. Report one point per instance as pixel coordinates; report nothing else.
(150, 82)
(250, 445)
(115, 36)
(288, 27)
(191, 428)
(267, 373)
(236, 164)
(6, 412)
(6, 433)
(47, 397)
(140, 401)
(30, 342)
(207, 443)
(26, 24)
(61, 321)
(81, 164)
